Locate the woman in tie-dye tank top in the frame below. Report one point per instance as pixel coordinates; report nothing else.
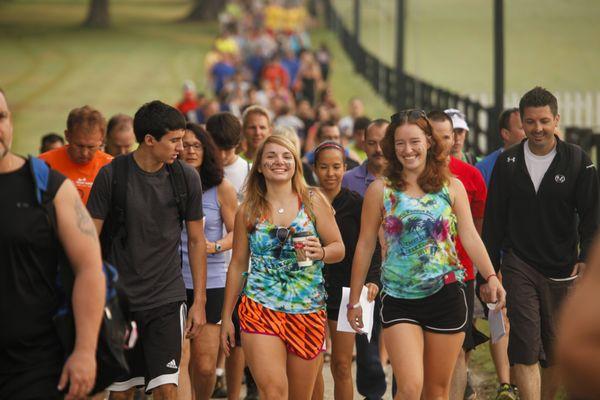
(421, 209)
(282, 309)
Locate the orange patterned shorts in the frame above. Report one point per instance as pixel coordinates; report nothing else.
(302, 334)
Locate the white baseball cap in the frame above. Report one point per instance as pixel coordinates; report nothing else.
(458, 118)
(189, 86)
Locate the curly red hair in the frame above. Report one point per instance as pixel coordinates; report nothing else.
(436, 173)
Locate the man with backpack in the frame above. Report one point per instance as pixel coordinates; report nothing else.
(31, 354)
(139, 203)
(540, 218)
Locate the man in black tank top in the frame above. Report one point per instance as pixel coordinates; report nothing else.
(31, 356)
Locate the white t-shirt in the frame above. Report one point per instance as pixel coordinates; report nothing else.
(236, 173)
(537, 165)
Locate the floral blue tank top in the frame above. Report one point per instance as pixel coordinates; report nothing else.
(275, 279)
(420, 234)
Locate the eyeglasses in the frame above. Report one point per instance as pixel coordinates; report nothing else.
(410, 114)
(196, 146)
(281, 233)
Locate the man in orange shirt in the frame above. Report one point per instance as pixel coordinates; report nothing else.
(81, 159)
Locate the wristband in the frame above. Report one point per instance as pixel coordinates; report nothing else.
(323, 257)
(489, 276)
(352, 307)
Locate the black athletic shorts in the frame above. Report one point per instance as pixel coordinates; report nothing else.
(154, 361)
(334, 298)
(443, 312)
(235, 318)
(214, 304)
(532, 305)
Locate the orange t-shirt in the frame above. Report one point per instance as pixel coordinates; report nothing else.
(82, 175)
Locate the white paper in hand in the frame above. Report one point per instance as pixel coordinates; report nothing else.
(497, 328)
(368, 307)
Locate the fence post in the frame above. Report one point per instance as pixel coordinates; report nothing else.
(357, 20)
(400, 79)
(493, 134)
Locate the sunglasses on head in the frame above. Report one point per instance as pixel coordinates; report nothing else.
(281, 233)
(411, 114)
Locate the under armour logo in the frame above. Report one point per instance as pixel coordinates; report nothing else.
(559, 178)
(511, 159)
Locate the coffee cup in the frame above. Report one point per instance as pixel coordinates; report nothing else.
(299, 240)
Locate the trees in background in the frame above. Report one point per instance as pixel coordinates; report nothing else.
(98, 14)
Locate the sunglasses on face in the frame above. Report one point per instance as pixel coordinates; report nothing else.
(412, 114)
(281, 234)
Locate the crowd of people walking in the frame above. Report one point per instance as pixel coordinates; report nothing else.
(243, 213)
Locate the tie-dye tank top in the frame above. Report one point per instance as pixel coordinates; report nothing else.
(420, 234)
(275, 279)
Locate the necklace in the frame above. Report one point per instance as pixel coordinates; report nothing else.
(280, 211)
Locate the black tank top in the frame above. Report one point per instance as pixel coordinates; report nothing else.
(28, 262)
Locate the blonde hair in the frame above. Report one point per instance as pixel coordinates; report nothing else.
(255, 110)
(255, 202)
(289, 133)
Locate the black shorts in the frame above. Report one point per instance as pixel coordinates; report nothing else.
(235, 318)
(154, 361)
(334, 298)
(532, 305)
(214, 304)
(443, 312)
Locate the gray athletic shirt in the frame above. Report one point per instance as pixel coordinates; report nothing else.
(150, 264)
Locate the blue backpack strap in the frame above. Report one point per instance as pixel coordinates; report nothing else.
(40, 172)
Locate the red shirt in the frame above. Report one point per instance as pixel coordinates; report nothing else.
(474, 184)
(277, 75)
(187, 105)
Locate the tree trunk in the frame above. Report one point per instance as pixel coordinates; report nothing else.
(98, 15)
(205, 10)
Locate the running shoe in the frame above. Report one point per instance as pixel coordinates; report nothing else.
(506, 392)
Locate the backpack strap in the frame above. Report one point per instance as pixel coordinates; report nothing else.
(179, 185)
(40, 171)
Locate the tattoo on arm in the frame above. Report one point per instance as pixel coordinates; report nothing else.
(84, 222)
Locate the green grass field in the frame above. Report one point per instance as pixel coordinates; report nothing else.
(553, 43)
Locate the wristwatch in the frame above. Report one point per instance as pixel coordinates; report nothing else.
(218, 247)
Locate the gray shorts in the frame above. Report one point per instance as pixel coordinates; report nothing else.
(532, 302)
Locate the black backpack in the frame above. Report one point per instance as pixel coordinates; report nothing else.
(114, 330)
(115, 227)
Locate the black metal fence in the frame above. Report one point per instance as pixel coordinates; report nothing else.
(401, 91)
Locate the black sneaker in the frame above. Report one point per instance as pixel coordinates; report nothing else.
(220, 391)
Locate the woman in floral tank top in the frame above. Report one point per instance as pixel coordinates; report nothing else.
(421, 209)
(282, 309)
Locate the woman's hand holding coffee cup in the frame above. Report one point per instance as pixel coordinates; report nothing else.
(313, 248)
(308, 248)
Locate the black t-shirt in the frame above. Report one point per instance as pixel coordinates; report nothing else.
(150, 264)
(28, 272)
(348, 206)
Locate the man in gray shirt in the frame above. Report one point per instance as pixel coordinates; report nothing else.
(147, 256)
